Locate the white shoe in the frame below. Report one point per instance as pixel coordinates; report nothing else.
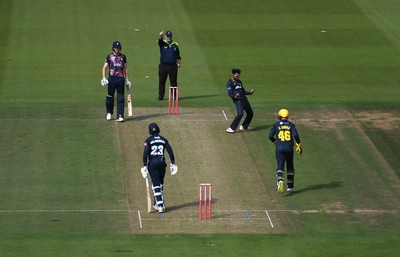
(290, 189)
(120, 119)
(242, 128)
(160, 209)
(229, 130)
(109, 116)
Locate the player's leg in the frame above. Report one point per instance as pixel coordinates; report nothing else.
(290, 171)
(162, 78)
(120, 99)
(155, 170)
(173, 77)
(249, 115)
(110, 99)
(239, 115)
(280, 173)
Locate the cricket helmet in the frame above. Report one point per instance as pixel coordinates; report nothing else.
(168, 34)
(283, 113)
(154, 129)
(116, 44)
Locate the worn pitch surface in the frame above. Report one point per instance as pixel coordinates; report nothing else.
(205, 153)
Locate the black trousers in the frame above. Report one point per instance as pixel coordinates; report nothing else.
(165, 70)
(241, 107)
(116, 84)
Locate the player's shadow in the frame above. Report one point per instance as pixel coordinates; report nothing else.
(184, 205)
(197, 96)
(331, 185)
(262, 127)
(145, 117)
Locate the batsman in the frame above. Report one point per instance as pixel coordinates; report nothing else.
(118, 76)
(282, 134)
(154, 163)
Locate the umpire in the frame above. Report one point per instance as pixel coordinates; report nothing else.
(170, 61)
(282, 134)
(154, 147)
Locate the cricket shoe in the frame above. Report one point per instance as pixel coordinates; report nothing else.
(242, 128)
(290, 189)
(120, 119)
(161, 209)
(280, 186)
(229, 130)
(109, 116)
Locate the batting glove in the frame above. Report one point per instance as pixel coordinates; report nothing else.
(144, 171)
(173, 168)
(299, 150)
(128, 84)
(104, 81)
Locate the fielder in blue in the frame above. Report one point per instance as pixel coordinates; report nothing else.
(238, 94)
(154, 148)
(282, 134)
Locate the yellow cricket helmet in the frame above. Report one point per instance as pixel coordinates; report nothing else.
(283, 113)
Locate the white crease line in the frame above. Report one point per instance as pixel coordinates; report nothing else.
(214, 211)
(269, 218)
(224, 115)
(140, 219)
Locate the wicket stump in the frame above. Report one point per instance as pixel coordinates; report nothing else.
(173, 101)
(205, 201)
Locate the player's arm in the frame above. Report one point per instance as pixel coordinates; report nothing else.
(296, 137)
(249, 92)
(104, 70)
(231, 89)
(178, 57)
(271, 135)
(126, 71)
(160, 38)
(146, 153)
(170, 151)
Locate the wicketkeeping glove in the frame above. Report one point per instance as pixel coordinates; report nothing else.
(144, 171)
(299, 150)
(104, 81)
(173, 168)
(128, 84)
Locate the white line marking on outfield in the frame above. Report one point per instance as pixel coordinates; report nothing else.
(224, 115)
(140, 219)
(269, 218)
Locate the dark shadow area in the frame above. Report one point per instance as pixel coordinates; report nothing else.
(177, 207)
(331, 185)
(196, 96)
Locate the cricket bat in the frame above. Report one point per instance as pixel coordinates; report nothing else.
(129, 102)
(148, 196)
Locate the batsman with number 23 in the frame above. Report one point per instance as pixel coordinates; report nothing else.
(153, 153)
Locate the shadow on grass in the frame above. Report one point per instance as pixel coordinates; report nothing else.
(331, 185)
(197, 96)
(146, 117)
(263, 127)
(184, 205)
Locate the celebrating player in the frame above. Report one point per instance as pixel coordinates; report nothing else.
(238, 94)
(282, 134)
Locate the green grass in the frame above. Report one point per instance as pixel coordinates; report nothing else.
(57, 153)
